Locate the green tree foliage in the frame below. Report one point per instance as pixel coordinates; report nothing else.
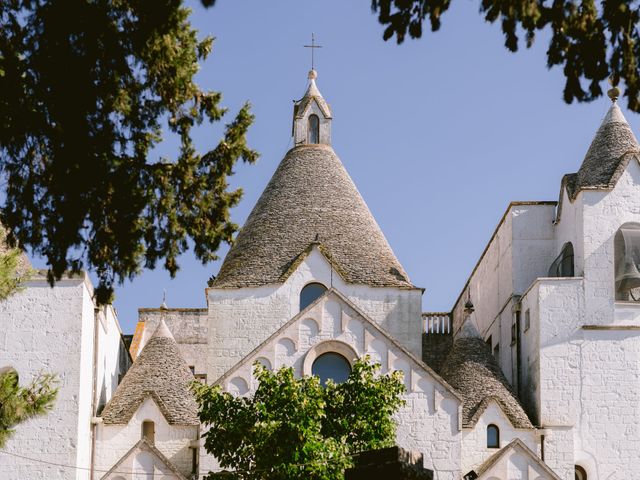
(18, 404)
(10, 280)
(85, 89)
(589, 40)
(13, 271)
(293, 428)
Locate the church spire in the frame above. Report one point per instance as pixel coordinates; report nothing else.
(312, 116)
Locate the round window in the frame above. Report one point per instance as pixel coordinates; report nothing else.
(332, 366)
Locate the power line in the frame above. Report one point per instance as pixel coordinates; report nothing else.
(75, 467)
(140, 472)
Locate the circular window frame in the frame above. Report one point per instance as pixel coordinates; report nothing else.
(328, 346)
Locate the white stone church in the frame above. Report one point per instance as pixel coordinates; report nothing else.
(533, 374)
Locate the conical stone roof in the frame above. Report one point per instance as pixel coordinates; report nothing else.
(310, 199)
(473, 371)
(612, 145)
(160, 372)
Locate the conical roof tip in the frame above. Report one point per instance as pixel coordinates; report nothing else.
(468, 330)
(614, 115)
(312, 89)
(607, 154)
(162, 331)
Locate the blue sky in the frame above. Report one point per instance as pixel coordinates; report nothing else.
(439, 134)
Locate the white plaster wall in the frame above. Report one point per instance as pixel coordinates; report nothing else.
(429, 421)
(113, 360)
(114, 441)
(530, 351)
(533, 244)
(474, 441)
(603, 214)
(516, 465)
(570, 229)
(48, 329)
(241, 319)
(559, 452)
(521, 250)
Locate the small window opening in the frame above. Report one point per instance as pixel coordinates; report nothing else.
(310, 293)
(562, 266)
(193, 369)
(149, 431)
(493, 437)
(496, 352)
(314, 129)
(527, 320)
(331, 366)
(626, 246)
(514, 334)
(581, 474)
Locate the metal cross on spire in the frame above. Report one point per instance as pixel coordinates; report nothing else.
(313, 46)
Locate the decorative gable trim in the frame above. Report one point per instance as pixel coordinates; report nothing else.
(414, 361)
(305, 253)
(143, 445)
(520, 447)
(482, 407)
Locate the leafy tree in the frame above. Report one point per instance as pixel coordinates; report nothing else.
(590, 40)
(85, 88)
(13, 268)
(293, 428)
(18, 404)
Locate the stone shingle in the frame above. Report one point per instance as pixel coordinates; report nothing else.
(473, 371)
(310, 198)
(159, 372)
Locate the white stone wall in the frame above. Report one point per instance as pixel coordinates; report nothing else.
(570, 228)
(113, 358)
(429, 421)
(48, 329)
(474, 441)
(241, 319)
(559, 453)
(114, 441)
(603, 214)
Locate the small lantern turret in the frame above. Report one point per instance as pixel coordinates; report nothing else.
(311, 116)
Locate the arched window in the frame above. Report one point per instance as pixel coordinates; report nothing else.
(493, 437)
(309, 293)
(314, 129)
(562, 266)
(149, 431)
(332, 366)
(581, 474)
(626, 250)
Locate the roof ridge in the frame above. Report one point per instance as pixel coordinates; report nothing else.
(474, 372)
